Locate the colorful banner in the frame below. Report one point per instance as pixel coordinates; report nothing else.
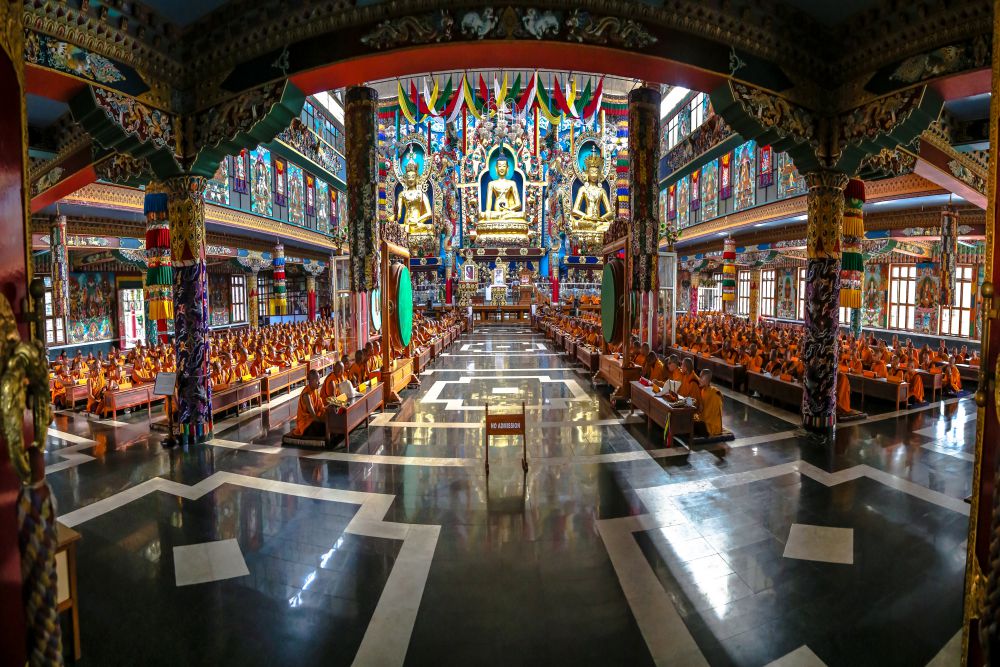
(852, 263)
(696, 190)
(280, 182)
(728, 272)
(765, 167)
(725, 176)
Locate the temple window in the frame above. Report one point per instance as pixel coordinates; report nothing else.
(238, 302)
(743, 293)
(55, 327)
(264, 286)
(767, 293)
(902, 295)
(956, 320)
(710, 298)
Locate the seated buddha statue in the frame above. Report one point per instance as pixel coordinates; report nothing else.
(413, 209)
(503, 202)
(592, 199)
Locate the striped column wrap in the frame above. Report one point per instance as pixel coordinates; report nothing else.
(949, 249)
(729, 270)
(253, 313)
(159, 274)
(279, 299)
(754, 294)
(60, 267)
(852, 263)
(36, 523)
(644, 205)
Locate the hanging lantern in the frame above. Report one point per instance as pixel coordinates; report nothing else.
(852, 262)
(159, 271)
(949, 248)
(729, 270)
(280, 301)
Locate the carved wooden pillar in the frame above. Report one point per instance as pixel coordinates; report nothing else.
(60, 267)
(186, 211)
(822, 303)
(360, 133)
(693, 294)
(253, 305)
(643, 151)
(949, 248)
(754, 294)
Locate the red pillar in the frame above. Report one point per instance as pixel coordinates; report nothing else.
(14, 275)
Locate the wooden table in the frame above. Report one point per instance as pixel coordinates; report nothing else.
(484, 314)
(320, 362)
(283, 379)
(734, 374)
(778, 390)
(75, 393)
(933, 382)
(658, 410)
(422, 359)
(588, 356)
(879, 388)
(115, 401)
(610, 368)
(402, 373)
(66, 598)
(344, 420)
(236, 395)
(968, 373)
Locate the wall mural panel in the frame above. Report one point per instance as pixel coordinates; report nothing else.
(260, 181)
(217, 188)
(218, 299)
(925, 319)
(296, 196)
(745, 176)
(683, 202)
(786, 285)
(790, 182)
(710, 190)
(91, 310)
(874, 298)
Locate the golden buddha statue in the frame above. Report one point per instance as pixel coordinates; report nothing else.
(591, 199)
(413, 209)
(502, 199)
(503, 216)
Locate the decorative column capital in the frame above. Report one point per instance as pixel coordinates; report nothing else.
(825, 203)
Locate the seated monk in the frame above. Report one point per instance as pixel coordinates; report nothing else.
(96, 388)
(893, 372)
(357, 373)
(773, 366)
(219, 378)
(59, 382)
(752, 359)
(708, 419)
(640, 357)
(309, 417)
(952, 379)
(878, 366)
(690, 385)
(843, 395)
(142, 370)
(916, 383)
(332, 383)
(649, 363)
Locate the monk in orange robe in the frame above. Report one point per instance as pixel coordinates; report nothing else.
(843, 395)
(952, 379)
(690, 386)
(708, 419)
(311, 409)
(96, 388)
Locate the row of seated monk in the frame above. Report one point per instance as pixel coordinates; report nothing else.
(235, 356)
(341, 383)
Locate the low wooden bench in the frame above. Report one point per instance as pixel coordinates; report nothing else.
(75, 393)
(320, 362)
(343, 420)
(968, 373)
(285, 378)
(610, 368)
(879, 388)
(421, 359)
(589, 357)
(658, 410)
(236, 395)
(933, 383)
(134, 396)
(776, 389)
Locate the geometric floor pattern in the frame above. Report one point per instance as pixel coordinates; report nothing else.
(611, 549)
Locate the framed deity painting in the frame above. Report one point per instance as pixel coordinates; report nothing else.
(745, 177)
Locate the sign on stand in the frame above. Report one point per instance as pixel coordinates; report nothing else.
(506, 424)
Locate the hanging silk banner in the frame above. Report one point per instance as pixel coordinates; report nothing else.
(949, 248)
(729, 271)
(696, 190)
(159, 272)
(280, 183)
(765, 167)
(852, 263)
(725, 176)
(279, 301)
(672, 202)
(241, 182)
(310, 194)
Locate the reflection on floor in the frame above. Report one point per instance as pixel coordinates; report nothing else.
(610, 550)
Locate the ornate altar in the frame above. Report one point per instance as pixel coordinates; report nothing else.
(585, 191)
(468, 285)
(498, 290)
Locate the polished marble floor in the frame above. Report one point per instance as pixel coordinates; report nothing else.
(610, 550)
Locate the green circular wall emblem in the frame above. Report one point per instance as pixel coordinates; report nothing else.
(376, 309)
(609, 298)
(404, 306)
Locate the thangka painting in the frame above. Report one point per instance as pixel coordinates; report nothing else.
(217, 188)
(710, 189)
(296, 196)
(91, 302)
(664, 208)
(218, 299)
(790, 182)
(745, 174)
(925, 317)
(786, 304)
(874, 295)
(260, 181)
(683, 202)
(322, 204)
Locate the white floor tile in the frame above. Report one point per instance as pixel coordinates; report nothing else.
(209, 561)
(820, 543)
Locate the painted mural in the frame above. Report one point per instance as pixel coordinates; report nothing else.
(260, 181)
(925, 318)
(683, 202)
(790, 182)
(296, 196)
(786, 286)
(91, 306)
(322, 205)
(217, 188)
(218, 299)
(745, 177)
(710, 190)
(874, 296)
